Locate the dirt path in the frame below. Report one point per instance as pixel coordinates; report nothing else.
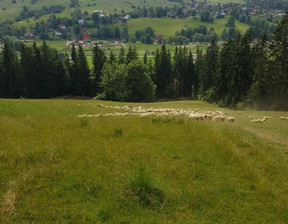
(267, 136)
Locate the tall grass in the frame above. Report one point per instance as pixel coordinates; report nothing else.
(57, 168)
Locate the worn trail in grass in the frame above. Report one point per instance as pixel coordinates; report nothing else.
(56, 167)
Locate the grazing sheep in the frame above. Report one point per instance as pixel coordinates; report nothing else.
(231, 119)
(282, 118)
(219, 118)
(257, 121)
(239, 112)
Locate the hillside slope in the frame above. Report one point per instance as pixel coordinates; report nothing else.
(57, 167)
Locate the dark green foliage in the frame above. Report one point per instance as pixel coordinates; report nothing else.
(98, 60)
(163, 73)
(209, 77)
(113, 82)
(127, 83)
(79, 73)
(121, 57)
(138, 84)
(131, 55)
(279, 67)
(10, 78)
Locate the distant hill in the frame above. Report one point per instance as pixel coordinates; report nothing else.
(10, 10)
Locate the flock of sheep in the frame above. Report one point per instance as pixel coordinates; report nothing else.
(218, 115)
(195, 114)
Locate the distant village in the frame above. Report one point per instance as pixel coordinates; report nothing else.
(78, 31)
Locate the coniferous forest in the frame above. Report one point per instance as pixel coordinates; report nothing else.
(241, 73)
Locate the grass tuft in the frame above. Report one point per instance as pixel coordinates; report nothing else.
(83, 121)
(117, 132)
(143, 188)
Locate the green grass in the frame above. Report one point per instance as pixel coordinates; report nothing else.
(168, 26)
(58, 168)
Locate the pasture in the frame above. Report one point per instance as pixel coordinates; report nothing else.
(168, 26)
(59, 167)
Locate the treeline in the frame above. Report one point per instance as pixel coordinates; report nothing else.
(27, 13)
(242, 73)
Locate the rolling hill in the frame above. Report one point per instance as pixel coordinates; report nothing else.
(57, 167)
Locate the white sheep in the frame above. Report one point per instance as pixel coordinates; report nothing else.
(231, 119)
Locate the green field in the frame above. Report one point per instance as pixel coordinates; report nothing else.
(111, 6)
(168, 26)
(56, 167)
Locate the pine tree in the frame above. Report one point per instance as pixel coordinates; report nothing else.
(163, 73)
(99, 59)
(189, 76)
(84, 73)
(74, 78)
(260, 87)
(227, 70)
(112, 58)
(145, 58)
(37, 71)
(279, 53)
(26, 67)
(121, 57)
(47, 77)
(242, 77)
(199, 70)
(9, 87)
(59, 76)
(208, 78)
(131, 55)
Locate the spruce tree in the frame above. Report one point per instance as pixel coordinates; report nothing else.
(131, 55)
(9, 85)
(47, 76)
(37, 71)
(189, 76)
(210, 76)
(74, 78)
(163, 73)
(98, 60)
(121, 57)
(26, 67)
(260, 87)
(84, 73)
(112, 58)
(227, 70)
(279, 67)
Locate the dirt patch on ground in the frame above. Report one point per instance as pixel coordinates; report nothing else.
(267, 136)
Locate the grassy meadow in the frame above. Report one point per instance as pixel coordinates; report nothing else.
(56, 167)
(168, 26)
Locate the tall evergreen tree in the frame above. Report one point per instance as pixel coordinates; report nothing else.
(74, 78)
(26, 66)
(47, 76)
(84, 73)
(227, 70)
(112, 58)
(189, 76)
(99, 59)
(211, 70)
(37, 71)
(163, 73)
(9, 86)
(121, 57)
(261, 81)
(199, 70)
(279, 53)
(131, 55)
(242, 78)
